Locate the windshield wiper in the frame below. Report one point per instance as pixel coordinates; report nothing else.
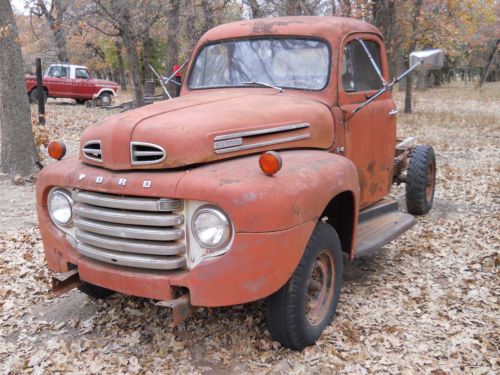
(262, 84)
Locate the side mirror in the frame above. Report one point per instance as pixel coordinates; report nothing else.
(427, 60)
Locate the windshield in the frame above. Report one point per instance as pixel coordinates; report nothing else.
(283, 62)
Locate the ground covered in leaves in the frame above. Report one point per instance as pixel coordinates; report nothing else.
(427, 303)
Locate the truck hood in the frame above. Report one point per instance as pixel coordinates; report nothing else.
(204, 127)
(104, 83)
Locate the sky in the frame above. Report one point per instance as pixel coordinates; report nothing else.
(18, 6)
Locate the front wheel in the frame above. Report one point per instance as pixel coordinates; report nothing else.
(33, 96)
(105, 99)
(306, 304)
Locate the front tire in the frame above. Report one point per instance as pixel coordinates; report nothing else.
(421, 180)
(105, 99)
(33, 96)
(298, 313)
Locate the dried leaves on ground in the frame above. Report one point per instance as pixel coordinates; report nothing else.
(426, 303)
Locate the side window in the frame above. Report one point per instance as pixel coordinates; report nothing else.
(81, 73)
(358, 73)
(59, 72)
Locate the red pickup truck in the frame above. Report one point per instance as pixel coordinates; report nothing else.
(72, 81)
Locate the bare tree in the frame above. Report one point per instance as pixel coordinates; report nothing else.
(256, 10)
(409, 78)
(384, 17)
(121, 65)
(128, 20)
(173, 34)
(54, 16)
(18, 152)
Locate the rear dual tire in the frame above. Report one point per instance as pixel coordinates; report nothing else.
(420, 180)
(298, 313)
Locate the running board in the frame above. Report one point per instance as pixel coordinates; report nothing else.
(379, 224)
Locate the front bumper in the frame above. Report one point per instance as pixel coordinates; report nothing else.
(257, 264)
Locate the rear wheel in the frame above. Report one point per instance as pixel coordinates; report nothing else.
(306, 304)
(94, 291)
(34, 96)
(421, 180)
(105, 98)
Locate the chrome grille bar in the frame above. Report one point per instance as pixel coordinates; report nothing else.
(131, 246)
(123, 217)
(132, 260)
(129, 231)
(127, 203)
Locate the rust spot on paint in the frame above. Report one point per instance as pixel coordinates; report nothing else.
(373, 188)
(371, 168)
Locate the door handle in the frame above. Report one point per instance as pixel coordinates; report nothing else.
(393, 112)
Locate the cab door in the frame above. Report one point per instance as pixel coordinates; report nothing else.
(61, 85)
(370, 134)
(83, 87)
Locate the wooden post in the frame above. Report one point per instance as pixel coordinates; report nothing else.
(490, 63)
(40, 96)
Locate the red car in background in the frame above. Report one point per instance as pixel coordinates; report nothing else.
(74, 82)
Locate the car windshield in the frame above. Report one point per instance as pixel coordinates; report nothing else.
(282, 62)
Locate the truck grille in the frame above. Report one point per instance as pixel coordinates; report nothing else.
(130, 231)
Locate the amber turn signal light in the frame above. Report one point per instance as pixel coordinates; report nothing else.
(56, 150)
(270, 162)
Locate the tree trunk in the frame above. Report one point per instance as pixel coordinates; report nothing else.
(346, 8)
(191, 31)
(384, 16)
(56, 25)
(409, 79)
(121, 66)
(130, 42)
(408, 93)
(208, 13)
(292, 8)
(18, 152)
(255, 9)
(146, 57)
(172, 35)
(133, 63)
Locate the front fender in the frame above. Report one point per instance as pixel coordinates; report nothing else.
(298, 193)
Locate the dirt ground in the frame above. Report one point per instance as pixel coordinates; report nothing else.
(426, 303)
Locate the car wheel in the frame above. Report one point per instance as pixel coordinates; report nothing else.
(94, 291)
(34, 96)
(105, 99)
(306, 304)
(421, 180)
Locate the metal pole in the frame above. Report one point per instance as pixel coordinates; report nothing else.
(39, 88)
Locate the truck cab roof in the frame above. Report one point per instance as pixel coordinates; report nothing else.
(333, 29)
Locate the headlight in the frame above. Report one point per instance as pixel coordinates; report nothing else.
(60, 207)
(211, 227)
